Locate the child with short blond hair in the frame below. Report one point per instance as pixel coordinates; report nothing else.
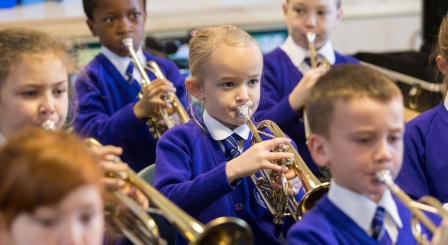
(356, 118)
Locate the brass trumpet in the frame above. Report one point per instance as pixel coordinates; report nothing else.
(138, 224)
(426, 203)
(316, 61)
(281, 202)
(179, 115)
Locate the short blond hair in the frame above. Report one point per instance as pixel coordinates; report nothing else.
(344, 83)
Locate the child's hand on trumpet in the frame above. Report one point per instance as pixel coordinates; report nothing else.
(108, 163)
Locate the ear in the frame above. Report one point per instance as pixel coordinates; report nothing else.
(91, 27)
(317, 145)
(338, 19)
(442, 64)
(285, 10)
(194, 88)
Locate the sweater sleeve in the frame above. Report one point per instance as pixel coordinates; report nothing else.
(274, 102)
(176, 165)
(96, 118)
(412, 177)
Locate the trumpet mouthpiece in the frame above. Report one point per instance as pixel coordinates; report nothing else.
(242, 111)
(49, 125)
(128, 42)
(384, 176)
(311, 36)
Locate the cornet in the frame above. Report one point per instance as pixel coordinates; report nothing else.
(280, 202)
(140, 228)
(316, 61)
(153, 122)
(426, 203)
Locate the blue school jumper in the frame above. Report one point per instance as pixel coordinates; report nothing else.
(191, 172)
(425, 161)
(106, 113)
(327, 224)
(279, 79)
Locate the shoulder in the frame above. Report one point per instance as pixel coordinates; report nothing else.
(313, 228)
(187, 133)
(162, 62)
(424, 121)
(340, 58)
(275, 54)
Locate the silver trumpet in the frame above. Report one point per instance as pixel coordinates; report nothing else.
(179, 115)
(281, 202)
(426, 203)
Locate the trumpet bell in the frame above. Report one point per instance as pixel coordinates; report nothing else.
(310, 199)
(225, 230)
(281, 202)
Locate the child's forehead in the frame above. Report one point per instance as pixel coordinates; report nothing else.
(323, 3)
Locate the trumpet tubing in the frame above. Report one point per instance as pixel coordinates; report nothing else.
(280, 202)
(432, 205)
(224, 230)
(171, 98)
(316, 61)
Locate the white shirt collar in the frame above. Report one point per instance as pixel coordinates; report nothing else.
(220, 132)
(298, 54)
(122, 63)
(361, 209)
(446, 101)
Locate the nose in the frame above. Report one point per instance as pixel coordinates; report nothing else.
(311, 20)
(47, 105)
(125, 25)
(243, 95)
(384, 152)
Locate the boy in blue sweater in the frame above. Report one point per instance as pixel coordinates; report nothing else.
(287, 75)
(356, 119)
(107, 89)
(205, 165)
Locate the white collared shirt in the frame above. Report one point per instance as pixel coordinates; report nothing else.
(298, 54)
(445, 103)
(220, 132)
(361, 209)
(122, 63)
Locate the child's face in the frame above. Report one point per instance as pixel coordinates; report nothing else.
(366, 136)
(114, 20)
(318, 16)
(35, 90)
(233, 80)
(77, 219)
